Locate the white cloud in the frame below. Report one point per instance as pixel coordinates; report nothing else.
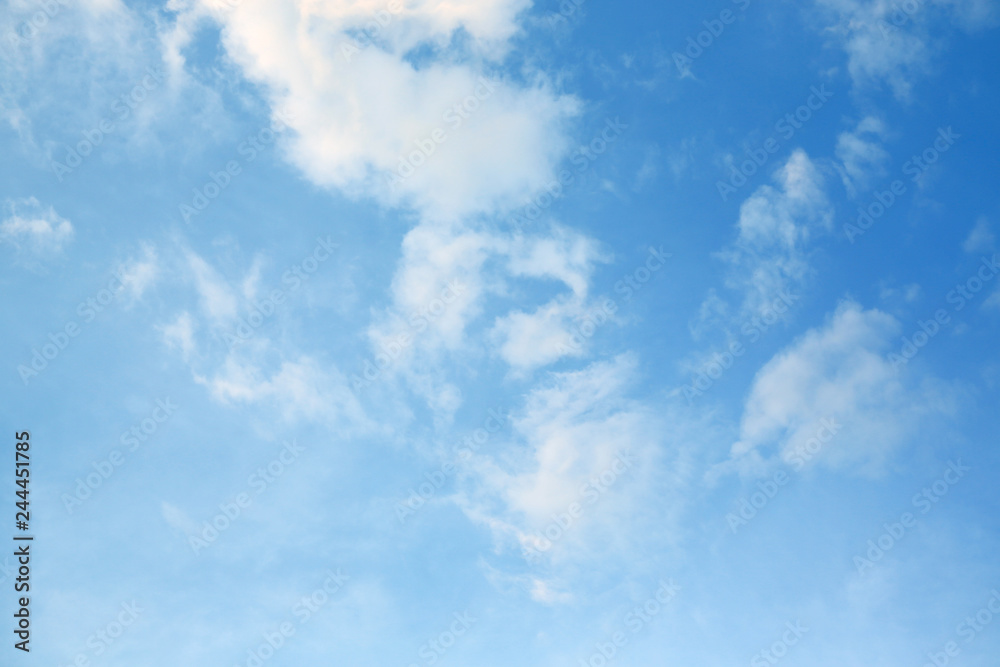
(251, 282)
(447, 271)
(981, 238)
(712, 314)
(880, 52)
(440, 262)
(776, 226)
(436, 293)
(872, 57)
(573, 436)
(298, 390)
(908, 293)
(564, 255)
(177, 519)
(180, 335)
(359, 114)
(295, 387)
(542, 591)
(33, 228)
(783, 218)
(862, 157)
(404, 103)
(839, 371)
(993, 301)
(217, 299)
(578, 440)
(529, 340)
(140, 274)
(98, 46)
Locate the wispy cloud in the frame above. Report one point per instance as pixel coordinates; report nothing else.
(34, 229)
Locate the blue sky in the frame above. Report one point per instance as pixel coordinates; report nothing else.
(493, 333)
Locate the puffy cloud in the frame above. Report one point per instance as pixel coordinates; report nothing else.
(781, 218)
(439, 280)
(391, 101)
(447, 271)
(405, 102)
(838, 372)
(564, 255)
(529, 340)
(33, 228)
